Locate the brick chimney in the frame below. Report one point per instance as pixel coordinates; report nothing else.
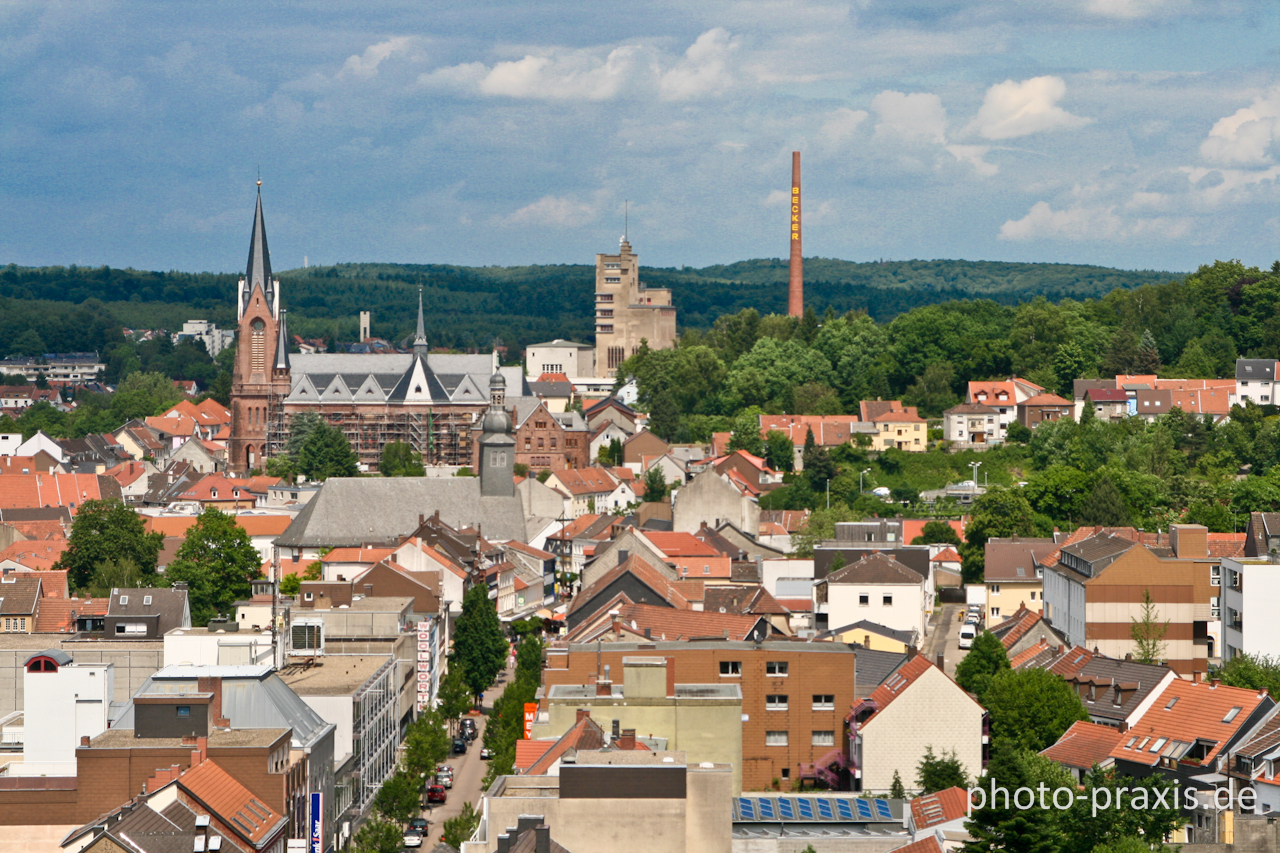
(627, 740)
(213, 684)
(84, 740)
(583, 713)
(671, 678)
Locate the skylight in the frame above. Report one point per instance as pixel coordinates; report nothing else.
(1159, 744)
(1172, 702)
(1231, 715)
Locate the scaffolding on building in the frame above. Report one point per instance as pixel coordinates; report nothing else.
(443, 437)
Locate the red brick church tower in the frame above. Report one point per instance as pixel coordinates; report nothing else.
(260, 379)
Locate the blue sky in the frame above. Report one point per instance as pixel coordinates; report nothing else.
(1129, 133)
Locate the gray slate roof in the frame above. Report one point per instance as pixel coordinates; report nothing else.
(170, 604)
(253, 697)
(872, 667)
(352, 511)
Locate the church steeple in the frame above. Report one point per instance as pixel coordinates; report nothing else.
(258, 270)
(282, 344)
(420, 347)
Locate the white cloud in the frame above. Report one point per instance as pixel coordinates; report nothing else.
(1247, 136)
(365, 66)
(916, 115)
(565, 75)
(704, 69)
(555, 211)
(1133, 9)
(1012, 109)
(1092, 223)
(973, 154)
(840, 126)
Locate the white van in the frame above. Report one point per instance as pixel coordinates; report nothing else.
(967, 633)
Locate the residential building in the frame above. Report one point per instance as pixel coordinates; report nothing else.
(627, 312)
(1012, 576)
(215, 340)
(56, 367)
(614, 411)
(1255, 635)
(1044, 407)
(917, 708)
(63, 701)
(19, 602)
(1255, 762)
(794, 695)
(1084, 746)
(1024, 629)
(870, 635)
(572, 543)
(899, 428)
(877, 588)
(1118, 692)
(638, 623)
(147, 614)
(1108, 404)
(1095, 590)
(1003, 396)
(702, 720)
(550, 440)
(971, 424)
(711, 498)
(573, 359)
(587, 487)
(605, 800)
(1256, 381)
(636, 580)
(942, 811)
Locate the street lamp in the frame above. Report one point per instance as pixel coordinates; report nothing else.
(860, 475)
(974, 466)
(828, 493)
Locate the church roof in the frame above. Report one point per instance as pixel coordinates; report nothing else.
(258, 269)
(447, 377)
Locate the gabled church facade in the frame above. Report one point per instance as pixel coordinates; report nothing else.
(433, 401)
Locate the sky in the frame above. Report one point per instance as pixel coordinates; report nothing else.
(1140, 134)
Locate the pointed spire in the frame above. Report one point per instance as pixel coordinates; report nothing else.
(420, 338)
(282, 344)
(258, 270)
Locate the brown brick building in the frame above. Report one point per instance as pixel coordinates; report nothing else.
(794, 695)
(550, 440)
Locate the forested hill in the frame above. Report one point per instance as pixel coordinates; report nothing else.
(76, 308)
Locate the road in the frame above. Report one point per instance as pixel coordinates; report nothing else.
(944, 637)
(468, 770)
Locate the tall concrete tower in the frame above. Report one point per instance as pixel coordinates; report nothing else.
(795, 284)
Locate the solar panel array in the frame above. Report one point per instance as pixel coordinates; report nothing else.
(845, 809)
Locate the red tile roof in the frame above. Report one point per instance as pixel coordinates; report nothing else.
(1045, 400)
(924, 845)
(946, 555)
(913, 527)
(1200, 711)
(1028, 654)
(584, 734)
(1016, 627)
(897, 683)
(26, 465)
(530, 550)
(54, 615)
(35, 554)
(1227, 544)
(232, 802)
(1084, 745)
(39, 490)
(127, 473)
(357, 555)
(677, 544)
(254, 525)
(529, 751)
(1072, 661)
(586, 481)
(939, 807)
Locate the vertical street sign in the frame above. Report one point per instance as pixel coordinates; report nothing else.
(530, 711)
(317, 823)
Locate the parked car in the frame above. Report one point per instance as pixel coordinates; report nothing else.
(412, 838)
(486, 753)
(436, 795)
(420, 824)
(967, 632)
(469, 730)
(445, 778)
(459, 746)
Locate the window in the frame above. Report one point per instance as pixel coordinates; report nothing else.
(146, 600)
(1215, 576)
(995, 611)
(775, 667)
(1215, 609)
(1033, 595)
(777, 702)
(994, 588)
(124, 599)
(824, 702)
(887, 601)
(184, 710)
(1159, 744)
(824, 738)
(864, 600)
(1172, 702)
(786, 773)
(775, 738)
(307, 596)
(706, 569)
(1231, 715)
(731, 667)
(130, 628)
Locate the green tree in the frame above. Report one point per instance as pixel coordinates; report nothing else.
(426, 745)
(107, 531)
(1105, 505)
(459, 829)
(938, 772)
(455, 697)
(143, 395)
(1069, 364)
(998, 513)
(399, 459)
(896, 790)
(986, 657)
(664, 416)
(478, 642)
(998, 825)
(1253, 672)
(217, 562)
(655, 486)
(327, 453)
(117, 574)
(291, 584)
(936, 532)
(399, 797)
(1148, 356)
(746, 433)
(1031, 708)
(779, 452)
(1149, 813)
(1147, 632)
(377, 836)
(932, 392)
